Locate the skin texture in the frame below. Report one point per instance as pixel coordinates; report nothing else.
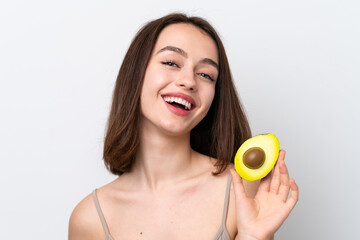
(170, 192)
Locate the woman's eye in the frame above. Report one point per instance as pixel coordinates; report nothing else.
(204, 75)
(170, 63)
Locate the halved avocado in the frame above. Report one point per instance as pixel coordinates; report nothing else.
(257, 156)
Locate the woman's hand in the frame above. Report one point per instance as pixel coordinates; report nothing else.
(259, 218)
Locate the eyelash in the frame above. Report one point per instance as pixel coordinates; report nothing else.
(206, 76)
(172, 63)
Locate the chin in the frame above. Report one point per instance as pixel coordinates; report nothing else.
(176, 130)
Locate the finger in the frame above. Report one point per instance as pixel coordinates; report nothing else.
(294, 196)
(275, 180)
(265, 183)
(284, 181)
(238, 185)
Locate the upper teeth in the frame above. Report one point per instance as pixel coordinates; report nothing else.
(179, 101)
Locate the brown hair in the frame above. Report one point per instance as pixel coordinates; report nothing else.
(218, 135)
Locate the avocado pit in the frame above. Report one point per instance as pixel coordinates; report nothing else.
(254, 158)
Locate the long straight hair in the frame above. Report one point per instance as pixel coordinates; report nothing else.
(218, 135)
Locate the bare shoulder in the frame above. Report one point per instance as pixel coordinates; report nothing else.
(84, 223)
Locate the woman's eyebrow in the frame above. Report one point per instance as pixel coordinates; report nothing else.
(174, 49)
(210, 62)
(184, 54)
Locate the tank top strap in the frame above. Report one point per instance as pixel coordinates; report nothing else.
(226, 204)
(100, 213)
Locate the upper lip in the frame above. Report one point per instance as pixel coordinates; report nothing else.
(181, 95)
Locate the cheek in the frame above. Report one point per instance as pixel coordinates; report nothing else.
(156, 78)
(209, 97)
(154, 81)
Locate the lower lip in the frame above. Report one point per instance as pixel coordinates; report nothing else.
(176, 110)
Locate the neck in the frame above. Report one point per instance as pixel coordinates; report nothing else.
(162, 160)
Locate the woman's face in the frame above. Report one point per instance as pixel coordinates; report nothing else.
(179, 82)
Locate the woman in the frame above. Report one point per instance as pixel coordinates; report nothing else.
(174, 128)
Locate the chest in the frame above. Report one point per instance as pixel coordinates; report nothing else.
(192, 215)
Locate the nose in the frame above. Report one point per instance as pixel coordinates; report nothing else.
(187, 81)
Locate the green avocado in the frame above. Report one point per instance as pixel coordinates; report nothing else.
(257, 156)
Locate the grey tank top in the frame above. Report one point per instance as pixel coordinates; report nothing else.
(222, 233)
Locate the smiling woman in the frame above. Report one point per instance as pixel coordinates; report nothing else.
(225, 126)
(173, 131)
(186, 79)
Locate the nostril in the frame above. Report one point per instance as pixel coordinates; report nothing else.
(186, 85)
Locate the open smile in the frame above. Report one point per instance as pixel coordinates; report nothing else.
(179, 103)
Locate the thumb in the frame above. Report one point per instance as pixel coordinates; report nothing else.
(238, 185)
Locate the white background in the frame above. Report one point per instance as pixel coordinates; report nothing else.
(297, 70)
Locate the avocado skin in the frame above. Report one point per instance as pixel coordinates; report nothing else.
(269, 144)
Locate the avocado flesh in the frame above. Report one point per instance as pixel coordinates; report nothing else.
(269, 144)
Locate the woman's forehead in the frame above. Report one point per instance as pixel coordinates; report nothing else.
(188, 38)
